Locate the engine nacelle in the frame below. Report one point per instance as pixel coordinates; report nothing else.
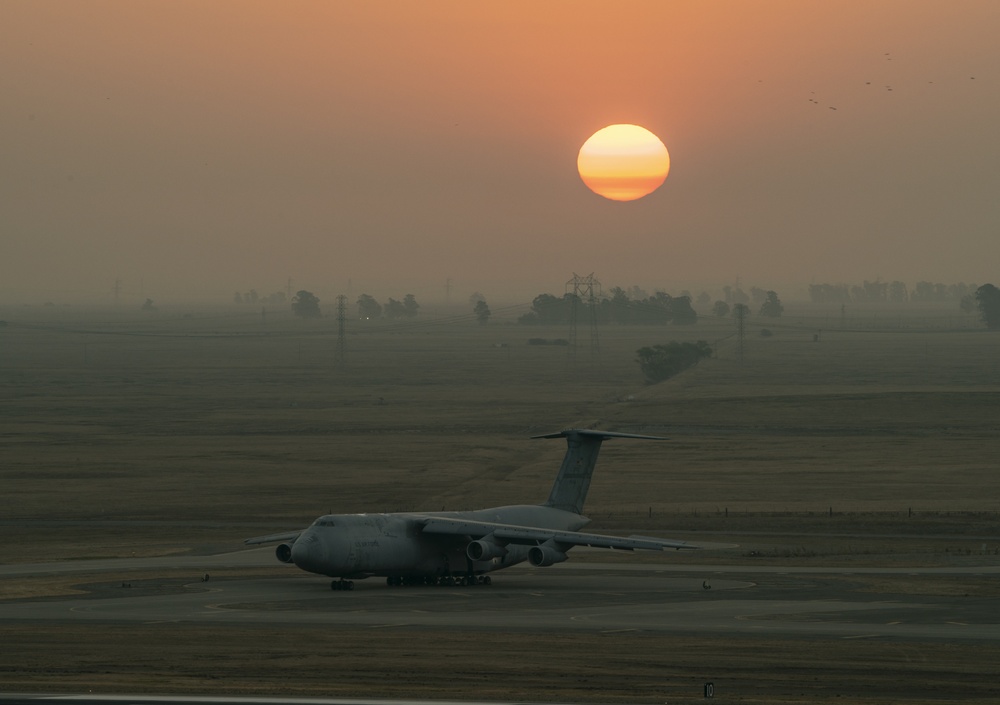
(545, 555)
(485, 550)
(284, 552)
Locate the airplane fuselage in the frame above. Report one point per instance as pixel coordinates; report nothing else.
(388, 545)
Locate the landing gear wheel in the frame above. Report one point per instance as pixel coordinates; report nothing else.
(487, 580)
(342, 585)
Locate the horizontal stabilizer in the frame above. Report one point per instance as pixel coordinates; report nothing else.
(598, 434)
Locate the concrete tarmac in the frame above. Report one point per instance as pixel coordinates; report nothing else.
(133, 699)
(573, 596)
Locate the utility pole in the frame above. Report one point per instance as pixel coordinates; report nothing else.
(288, 288)
(117, 288)
(340, 355)
(740, 311)
(585, 290)
(447, 290)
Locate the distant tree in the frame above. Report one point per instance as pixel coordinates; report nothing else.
(741, 310)
(967, 303)
(771, 307)
(874, 291)
(704, 298)
(368, 308)
(898, 293)
(829, 293)
(475, 297)
(720, 309)
(735, 296)
(547, 309)
(394, 309)
(305, 305)
(757, 295)
(482, 312)
(988, 302)
(410, 306)
(957, 291)
(658, 308)
(681, 311)
(238, 298)
(661, 362)
(148, 306)
(637, 293)
(923, 291)
(275, 299)
(618, 305)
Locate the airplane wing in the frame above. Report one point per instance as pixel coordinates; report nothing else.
(533, 536)
(271, 538)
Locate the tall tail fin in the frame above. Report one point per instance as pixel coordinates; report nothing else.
(569, 491)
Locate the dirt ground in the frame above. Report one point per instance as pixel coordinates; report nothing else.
(123, 435)
(534, 667)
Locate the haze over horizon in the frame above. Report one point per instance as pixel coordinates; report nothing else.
(193, 149)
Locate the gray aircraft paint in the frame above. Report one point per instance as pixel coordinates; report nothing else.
(432, 545)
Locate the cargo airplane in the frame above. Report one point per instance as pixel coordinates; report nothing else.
(448, 548)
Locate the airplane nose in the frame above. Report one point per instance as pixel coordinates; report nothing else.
(305, 551)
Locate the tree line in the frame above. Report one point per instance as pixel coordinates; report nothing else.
(624, 307)
(890, 292)
(305, 304)
(547, 309)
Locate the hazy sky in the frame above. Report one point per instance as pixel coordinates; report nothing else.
(199, 148)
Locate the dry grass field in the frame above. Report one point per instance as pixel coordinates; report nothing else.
(125, 435)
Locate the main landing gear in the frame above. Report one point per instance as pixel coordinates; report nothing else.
(406, 580)
(342, 584)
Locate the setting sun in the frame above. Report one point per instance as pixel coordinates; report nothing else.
(623, 162)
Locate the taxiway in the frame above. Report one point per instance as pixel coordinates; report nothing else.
(597, 597)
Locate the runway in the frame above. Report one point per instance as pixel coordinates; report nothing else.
(570, 597)
(47, 699)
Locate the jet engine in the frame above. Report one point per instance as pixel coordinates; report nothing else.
(483, 550)
(284, 552)
(545, 555)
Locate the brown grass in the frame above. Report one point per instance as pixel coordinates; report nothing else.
(126, 436)
(537, 667)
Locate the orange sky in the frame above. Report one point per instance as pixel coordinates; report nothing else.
(196, 149)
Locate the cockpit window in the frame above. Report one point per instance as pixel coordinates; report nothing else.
(323, 522)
